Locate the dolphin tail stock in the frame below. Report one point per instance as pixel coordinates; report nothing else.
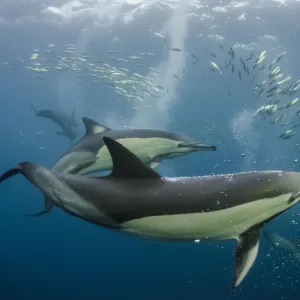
(25, 168)
(10, 173)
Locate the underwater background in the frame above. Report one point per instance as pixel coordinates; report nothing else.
(57, 256)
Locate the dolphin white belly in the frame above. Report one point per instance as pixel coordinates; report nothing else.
(221, 224)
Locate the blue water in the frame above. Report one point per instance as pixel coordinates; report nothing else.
(57, 256)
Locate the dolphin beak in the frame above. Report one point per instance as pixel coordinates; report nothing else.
(202, 147)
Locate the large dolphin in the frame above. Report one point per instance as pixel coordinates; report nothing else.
(90, 155)
(136, 199)
(67, 123)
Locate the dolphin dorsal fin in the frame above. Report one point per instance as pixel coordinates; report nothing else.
(127, 164)
(92, 127)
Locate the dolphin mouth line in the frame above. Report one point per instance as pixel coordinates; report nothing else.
(199, 147)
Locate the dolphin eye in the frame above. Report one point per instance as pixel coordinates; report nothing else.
(294, 197)
(181, 145)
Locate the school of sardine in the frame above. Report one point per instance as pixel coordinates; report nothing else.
(274, 89)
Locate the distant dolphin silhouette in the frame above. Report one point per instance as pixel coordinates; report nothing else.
(66, 122)
(137, 200)
(90, 154)
(283, 244)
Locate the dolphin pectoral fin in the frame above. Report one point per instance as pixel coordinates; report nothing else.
(47, 208)
(246, 253)
(93, 127)
(154, 164)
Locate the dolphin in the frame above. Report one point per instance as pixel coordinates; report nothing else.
(281, 243)
(90, 155)
(135, 199)
(67, 123)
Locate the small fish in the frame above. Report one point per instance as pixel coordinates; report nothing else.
(260, 60)
(86, 54)
(240, 75)
(216, 67)
(287, 134)
(232, 68)
(193, 56)
(258, 86)
(260, 92)
(227, 64)
(250, 57)
(283, 91)
(295, 86)
(278, 58)
(272, 89)
(34, 56)
(275, 72)
(176, 49)
(287, 123)
(112, 58)
(292, 102)
(262, 67)
(221, 46)
(278, 76)
(134, 57)
(231, 52)
(154, 70)
(160, 35)
(176, 77)
(121, 59)
(279, 119)
(253, 78)
(285, 80)
(109, 84)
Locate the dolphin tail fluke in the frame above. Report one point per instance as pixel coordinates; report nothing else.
(34, 173)
(10, 173)
(34, 110)
(246, 253)
(47, 208)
